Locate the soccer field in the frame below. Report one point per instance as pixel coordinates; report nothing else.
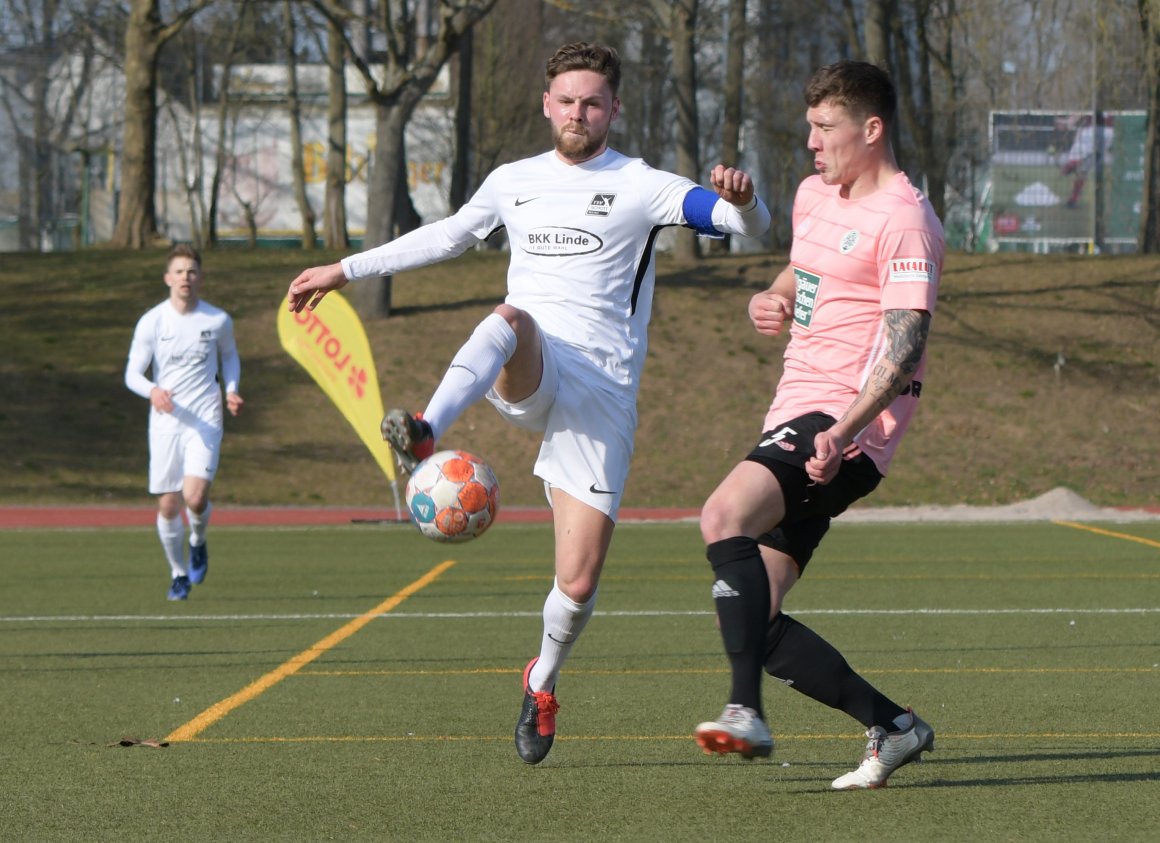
(362, 683)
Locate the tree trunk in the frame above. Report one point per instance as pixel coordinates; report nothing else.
(294, 109)
(879, 14)
(145, 35)
(225, 139)
(734, 85)
(373, 298)
(461, 165)
(408, 67)
(334, 209)
(684, 26)
(1149, 234)
(136, 210)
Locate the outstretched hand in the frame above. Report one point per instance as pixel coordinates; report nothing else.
(732, 185)
(309, 288)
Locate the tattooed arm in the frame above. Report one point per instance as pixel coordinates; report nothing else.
(906, 334)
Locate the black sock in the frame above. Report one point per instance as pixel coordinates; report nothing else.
(799, 657)
(741, 594)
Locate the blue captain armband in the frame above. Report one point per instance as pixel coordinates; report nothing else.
(698, 210)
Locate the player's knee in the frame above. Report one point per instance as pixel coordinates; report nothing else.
(716, 521)
(197, 499)
(514, 316)
(579, 589)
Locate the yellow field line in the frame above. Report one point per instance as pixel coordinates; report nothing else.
(689, 737)
(220, 709)
(1113, 535)
(507, 671)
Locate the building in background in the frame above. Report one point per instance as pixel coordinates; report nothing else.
(256, 181)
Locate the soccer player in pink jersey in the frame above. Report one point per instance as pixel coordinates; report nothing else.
(858, 295)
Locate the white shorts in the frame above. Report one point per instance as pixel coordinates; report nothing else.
(588, 428)
(193, 452)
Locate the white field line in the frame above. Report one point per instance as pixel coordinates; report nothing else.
(927, 612)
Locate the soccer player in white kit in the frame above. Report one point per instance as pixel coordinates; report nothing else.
(563, 354)
(859, 293)
(189, 344)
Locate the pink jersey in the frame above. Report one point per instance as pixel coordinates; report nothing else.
(853, 260)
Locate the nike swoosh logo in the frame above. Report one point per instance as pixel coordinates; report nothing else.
(525, 201)
(596, 491)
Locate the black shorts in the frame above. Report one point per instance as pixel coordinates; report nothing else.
(808, 506)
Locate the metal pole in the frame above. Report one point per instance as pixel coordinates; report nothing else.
(1097, 143)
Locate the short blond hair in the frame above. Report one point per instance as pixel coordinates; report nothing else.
(183, 250)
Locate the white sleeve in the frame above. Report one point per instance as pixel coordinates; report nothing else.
(429, 244)
(231, 363)
(140, 356)
(750, 222)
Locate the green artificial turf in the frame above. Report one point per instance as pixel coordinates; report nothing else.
(1031, 648)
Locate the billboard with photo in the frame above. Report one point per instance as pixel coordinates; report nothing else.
(1045, 167)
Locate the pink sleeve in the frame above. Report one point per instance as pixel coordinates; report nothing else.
(910, 260)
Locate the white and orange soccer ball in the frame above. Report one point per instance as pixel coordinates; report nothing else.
(452, 496)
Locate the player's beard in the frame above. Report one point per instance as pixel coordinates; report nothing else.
(577, 145)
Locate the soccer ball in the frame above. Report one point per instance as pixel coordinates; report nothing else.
(452, 496)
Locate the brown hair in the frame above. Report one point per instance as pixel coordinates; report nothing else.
(585, 56)
(183, 250)
(863, 89)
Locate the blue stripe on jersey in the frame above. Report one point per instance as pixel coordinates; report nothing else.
(698, 208)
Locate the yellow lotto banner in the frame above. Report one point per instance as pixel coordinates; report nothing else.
(331, 345)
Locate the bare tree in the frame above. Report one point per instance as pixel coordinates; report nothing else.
(1149, 236)
(734, 86)
(505, 122)
(416, 48)
(54, 55)
(222, 152)
(462, 68)
(334, 208)
(682, 17)
(294, 113)
(145, 34)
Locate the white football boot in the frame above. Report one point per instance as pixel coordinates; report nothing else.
(886, 752)
(738, 729)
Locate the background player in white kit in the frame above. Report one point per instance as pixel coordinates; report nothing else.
(563, 354)
(182, 340)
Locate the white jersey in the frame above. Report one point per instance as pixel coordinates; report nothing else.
(183, 350)
(582, 240)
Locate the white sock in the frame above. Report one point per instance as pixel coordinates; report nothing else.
(472, 372)
(172, 534)
(197, 524)
(564, 620)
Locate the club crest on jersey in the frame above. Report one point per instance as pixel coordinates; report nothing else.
(601, 205)
(849, 241)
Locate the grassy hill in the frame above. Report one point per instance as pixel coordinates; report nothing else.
(1044, 372)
